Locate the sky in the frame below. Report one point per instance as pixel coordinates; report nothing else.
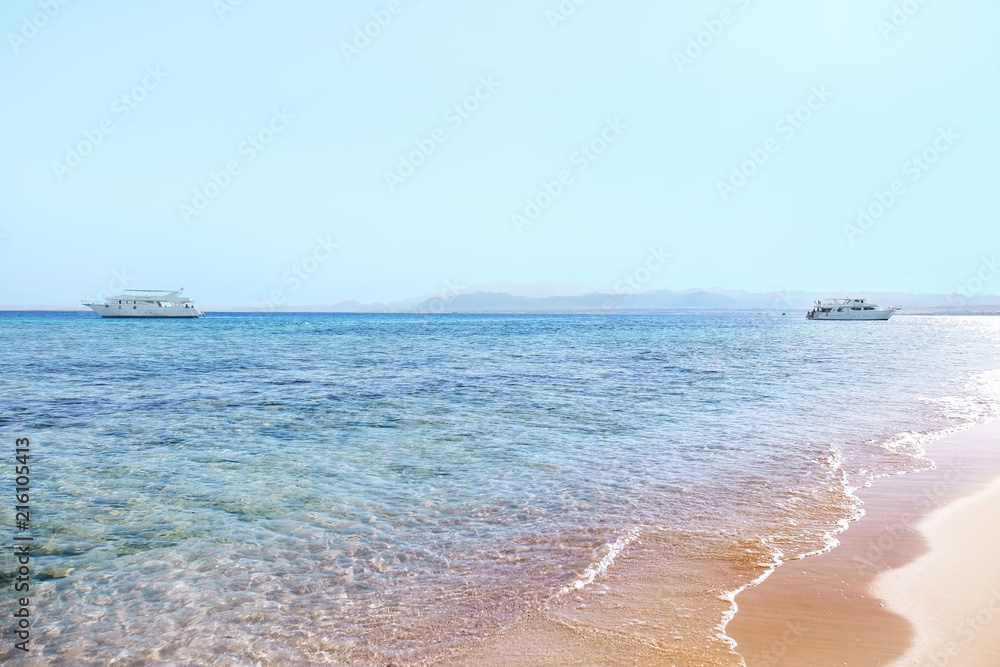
(375, 150)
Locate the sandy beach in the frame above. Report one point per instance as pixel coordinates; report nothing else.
(951, 595)
(913, 583)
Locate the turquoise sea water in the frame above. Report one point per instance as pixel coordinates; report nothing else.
(360, 489)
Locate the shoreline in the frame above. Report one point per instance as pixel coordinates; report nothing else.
(823, 610)
(817, 609)
(953, 615)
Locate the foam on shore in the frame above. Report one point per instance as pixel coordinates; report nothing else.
(904, 578)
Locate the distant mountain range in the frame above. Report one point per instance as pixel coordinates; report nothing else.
(555, 296)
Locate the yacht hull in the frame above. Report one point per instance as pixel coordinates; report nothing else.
(140, 311)
(869, 315)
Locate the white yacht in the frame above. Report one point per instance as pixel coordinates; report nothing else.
(146, 303)
(849, 309)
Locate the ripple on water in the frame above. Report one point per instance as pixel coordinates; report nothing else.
(297, 489)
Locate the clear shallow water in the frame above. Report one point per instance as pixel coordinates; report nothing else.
(292, 489)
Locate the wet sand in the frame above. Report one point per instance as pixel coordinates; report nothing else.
(951, 595)
(629, 616)
(919, 545)
(933, 569)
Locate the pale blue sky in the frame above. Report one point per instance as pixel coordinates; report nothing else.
(342, 124)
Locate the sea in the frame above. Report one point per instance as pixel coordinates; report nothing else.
(395, 489)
